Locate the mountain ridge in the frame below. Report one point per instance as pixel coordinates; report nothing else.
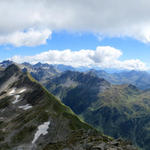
(33, 119)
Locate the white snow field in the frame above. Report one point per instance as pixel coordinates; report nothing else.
(42, 130)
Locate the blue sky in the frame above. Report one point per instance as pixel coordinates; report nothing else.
(104, 34)
(131, 48)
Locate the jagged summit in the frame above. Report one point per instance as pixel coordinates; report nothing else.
(13, 67)
(6, 63)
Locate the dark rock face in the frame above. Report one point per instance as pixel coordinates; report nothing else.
(77, 90)
(33, 119)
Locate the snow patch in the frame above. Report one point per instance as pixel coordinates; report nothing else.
(21, 91)
(16, 91)
(1, 118)
(3, 110)
(42, 130)
(12, 92)
(17, 99)
(25, 107)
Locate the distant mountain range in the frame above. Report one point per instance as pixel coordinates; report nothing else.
(140, 79)
(44, 72)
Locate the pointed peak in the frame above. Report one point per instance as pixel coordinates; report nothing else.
(6, 63)
(132, 86)
(12, 68)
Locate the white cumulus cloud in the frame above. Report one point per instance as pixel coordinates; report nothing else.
(103, 57)
(28, 38)
(112, 18)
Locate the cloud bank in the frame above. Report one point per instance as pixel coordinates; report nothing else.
(102, 57)
(114, 18)
(27, 38)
